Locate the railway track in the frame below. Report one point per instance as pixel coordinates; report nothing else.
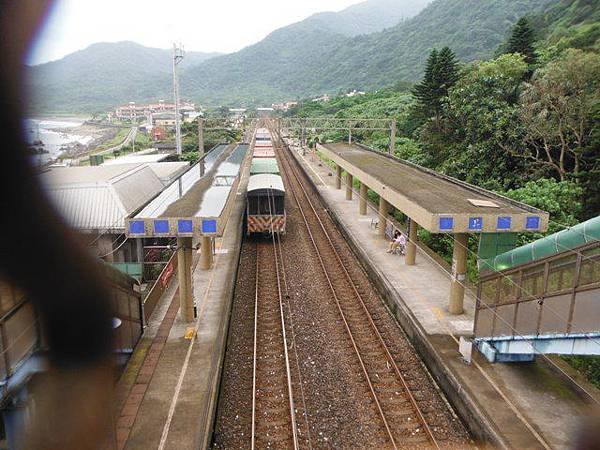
(403, 423)
(273, 410)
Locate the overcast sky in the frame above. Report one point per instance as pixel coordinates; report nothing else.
(201, 25)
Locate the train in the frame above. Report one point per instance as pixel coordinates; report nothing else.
(265, 198)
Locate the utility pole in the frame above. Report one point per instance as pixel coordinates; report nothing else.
(201, 145)
(177, 58)
(392, 146)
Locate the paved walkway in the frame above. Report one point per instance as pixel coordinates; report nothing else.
(528, 404)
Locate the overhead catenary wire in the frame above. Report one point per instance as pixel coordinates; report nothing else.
(116, 249)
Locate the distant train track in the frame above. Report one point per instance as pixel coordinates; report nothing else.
(273, 411)
(402, 420)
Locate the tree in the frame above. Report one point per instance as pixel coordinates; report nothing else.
(481, 130)
(521, 41)
(441, 73)
(424, 91)
(558, 110)
(448, 70)
(561, 199)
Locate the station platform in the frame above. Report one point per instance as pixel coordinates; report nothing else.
(167, 396)
(541, 404)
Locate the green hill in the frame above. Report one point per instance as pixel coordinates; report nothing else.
(569, 23)
(367, 17)
(103, 76)
(325, 53)
(288, 64)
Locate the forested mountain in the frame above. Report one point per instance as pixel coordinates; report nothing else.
(325, 53)
(569, 23)
(93, 79)
(288, 64)
(524, 122)
(367, 17)
(103, 75)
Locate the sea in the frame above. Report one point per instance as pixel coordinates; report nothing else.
(54, 134)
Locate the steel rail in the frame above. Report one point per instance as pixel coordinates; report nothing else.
(282, 316)
(287, 296)
(368, 314)
(254, 355)
(347, 326)
(284, 339)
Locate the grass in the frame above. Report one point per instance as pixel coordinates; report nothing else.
(119, 137)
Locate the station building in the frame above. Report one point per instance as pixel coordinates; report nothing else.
(96, 200)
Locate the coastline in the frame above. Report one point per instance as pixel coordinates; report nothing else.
(66, 137)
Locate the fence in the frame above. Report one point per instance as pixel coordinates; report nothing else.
(556, 295)
(160, 286)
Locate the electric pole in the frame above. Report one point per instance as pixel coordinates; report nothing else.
(177, 58)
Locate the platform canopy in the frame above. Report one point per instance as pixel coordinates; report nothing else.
(194, 204)
(438, 203)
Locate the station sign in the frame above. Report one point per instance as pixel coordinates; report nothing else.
(173, 227)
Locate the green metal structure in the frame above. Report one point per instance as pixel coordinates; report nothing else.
(264, 165)
(568, 239)
(134, 270)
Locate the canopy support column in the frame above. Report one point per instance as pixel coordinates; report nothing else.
(184, 273)
(384, 207)
(362, 199)
(139, 250)
(459, 269)
(349, 182)
(411, 244)
(206, 254)
(338, 177)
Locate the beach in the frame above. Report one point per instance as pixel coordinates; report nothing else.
(65, 137)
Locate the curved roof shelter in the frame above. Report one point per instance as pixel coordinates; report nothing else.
(264, 165)
(437, 202)
(264, 182)
(565, 240)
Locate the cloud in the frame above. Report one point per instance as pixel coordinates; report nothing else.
(223, 26)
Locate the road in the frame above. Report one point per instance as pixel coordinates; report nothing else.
(130, 136)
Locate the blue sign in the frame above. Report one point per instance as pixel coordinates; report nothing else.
(475, 223)
(533, 223)
(209, 226)
(446, 223)
(161, 226)
(137, 227)
(185, 226)
(503, 223)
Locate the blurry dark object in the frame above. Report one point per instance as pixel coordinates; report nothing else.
(42, 257)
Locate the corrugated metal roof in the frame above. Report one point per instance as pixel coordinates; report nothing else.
(85, 174)
(100, 197)
(168, 171)
(265, 181)
(137, 159)
(264, 165)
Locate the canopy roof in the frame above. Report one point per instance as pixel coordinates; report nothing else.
(265, 181)
(565, 240)
(264, 165)
(437, 202)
